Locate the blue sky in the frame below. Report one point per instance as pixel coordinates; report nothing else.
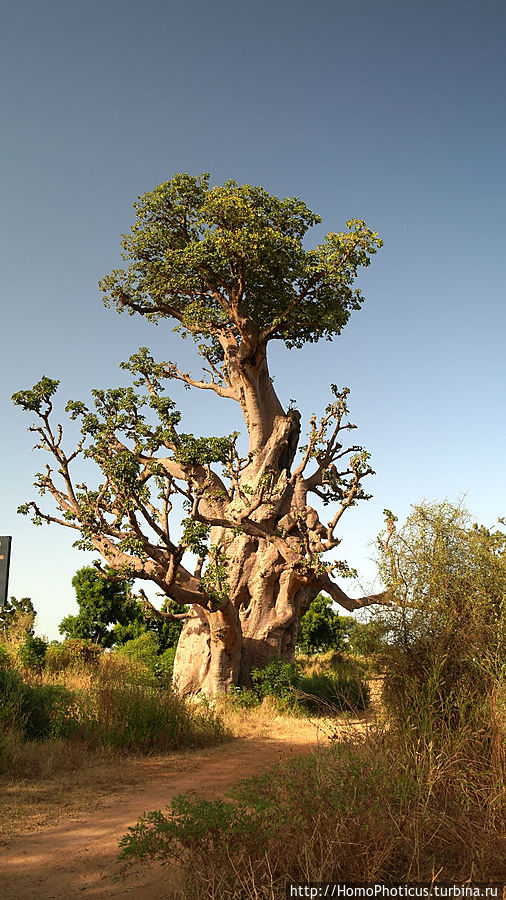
(384, 110)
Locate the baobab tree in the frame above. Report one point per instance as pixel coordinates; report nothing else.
(228, 266)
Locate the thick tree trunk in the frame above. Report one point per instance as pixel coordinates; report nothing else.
(268, 599)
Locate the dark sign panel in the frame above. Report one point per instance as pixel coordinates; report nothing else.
(5, 558)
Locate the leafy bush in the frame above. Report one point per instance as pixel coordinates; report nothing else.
(327, 692)
(277, 679)
(142, 649)
(74, 653)
(32, 652)
(102, 604)
(193, 823)
(35, 711)
(164, 664)
(321, 628)
(444, 659)
(243, 698)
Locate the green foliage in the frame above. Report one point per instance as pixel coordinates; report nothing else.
(321, 628)
(32, 652)
(17, 617)
(195, 537)
(143, 649)
(243, 698)
(35, 711)
(4, 657)
(215, 578)
(164, 664)
(202, 451)
(277, 679)
(366, 638)
(38, 398)
(319, 691)
(328, 692)
(446, 623)
(196, 823)
(102, 604)
(166, 630)
(190, 243)
(109, 616)
(73, 653)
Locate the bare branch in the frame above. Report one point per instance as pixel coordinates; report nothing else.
(325, 583)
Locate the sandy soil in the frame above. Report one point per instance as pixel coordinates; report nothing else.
(78, 855)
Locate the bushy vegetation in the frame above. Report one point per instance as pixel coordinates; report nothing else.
(306, 687)
(100, 700)
(421, 796)
(321, 628)
(110, 616)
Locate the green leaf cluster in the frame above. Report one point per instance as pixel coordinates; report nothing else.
(38, 397)
(321, 628)
(195, 249)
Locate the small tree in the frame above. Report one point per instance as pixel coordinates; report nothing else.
(109, 614)
(17, 618)
(321, 628)
(446, 623)
(102, 604)
(229, 266)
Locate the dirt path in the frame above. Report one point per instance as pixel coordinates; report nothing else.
(77, 857)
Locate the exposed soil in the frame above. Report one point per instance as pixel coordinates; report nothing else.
(72, 828)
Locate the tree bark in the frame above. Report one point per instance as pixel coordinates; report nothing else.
(267, 600)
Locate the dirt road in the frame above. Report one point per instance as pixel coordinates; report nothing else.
(77, 857)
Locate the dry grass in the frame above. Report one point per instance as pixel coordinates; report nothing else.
(365, 809)
(53, 781)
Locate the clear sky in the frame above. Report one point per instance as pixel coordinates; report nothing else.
(386, 110)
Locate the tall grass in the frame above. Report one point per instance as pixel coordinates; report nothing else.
(112, 704)
(306, 686)
(361, 810)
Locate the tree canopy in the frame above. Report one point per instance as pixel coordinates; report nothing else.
(321, 628)
(110, 615)
(230, 262)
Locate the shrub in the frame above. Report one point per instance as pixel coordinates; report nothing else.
(444, 658)
(164, 664)
(142, 649)
(82, 651)
(35, 711)
(32, 653)
(327, 692)
(243, 698)
(277, 679)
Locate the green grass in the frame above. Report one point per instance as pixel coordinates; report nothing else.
(114, 705)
